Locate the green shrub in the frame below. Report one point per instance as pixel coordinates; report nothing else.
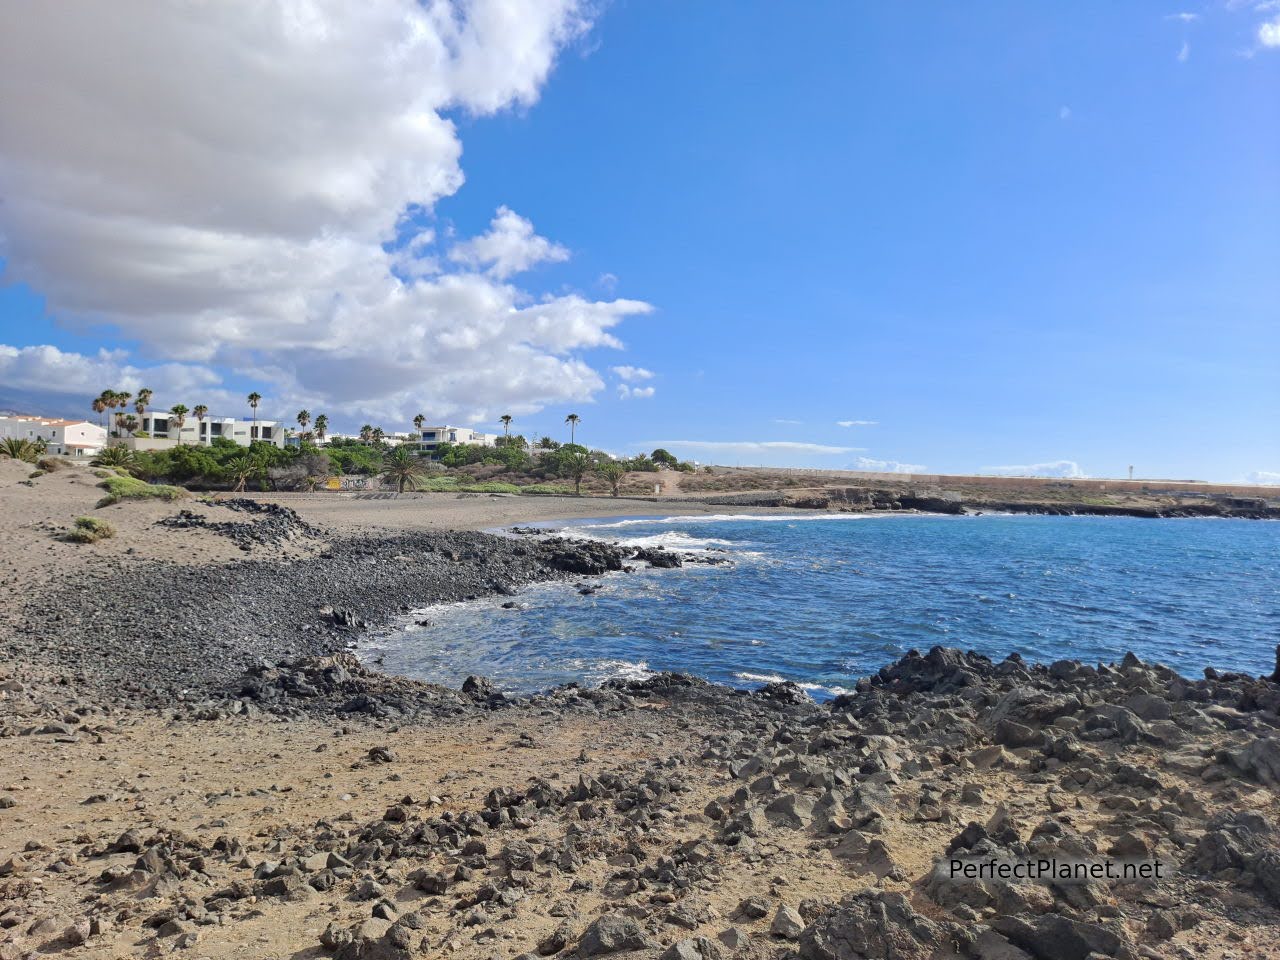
(547, 489)
(90, 530)
(489, 486)
(128, 488)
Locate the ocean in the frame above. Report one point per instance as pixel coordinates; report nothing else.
(825, 599)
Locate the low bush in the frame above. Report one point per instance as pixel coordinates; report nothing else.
(129, 488)
(490, 486)
(90, 530)
(547, 489)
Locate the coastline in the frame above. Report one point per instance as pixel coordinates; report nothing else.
(191, 744)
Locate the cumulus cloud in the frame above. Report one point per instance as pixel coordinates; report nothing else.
(74, 379)
(1067, 469)
(632, 374)
(886, 466)
(1264, 477)
(627, 392)
(510, 247)
(249, 186)
(856, 423)
(1269, 32)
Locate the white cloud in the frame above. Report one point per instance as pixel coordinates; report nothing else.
(1064, 113)
(886, 466)
(632, 374)
(76, 379)
(1184, 54)
(246, 186)
(793, 423)
(1184, 17)
(1264, 477)
(626, 392)
(1269, 33)
(510, 247)
(1066, 469)
(608, 282)
(754, 446)
(856, 423)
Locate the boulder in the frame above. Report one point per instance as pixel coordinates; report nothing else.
(1055, 937)
(872, 924)
(787, 923)
(611, 934)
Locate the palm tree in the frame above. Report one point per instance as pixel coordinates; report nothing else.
(116, 456)
(144, 401)
(378, 434)
(576, 465)
(177, 417)
(304, 417)
(404, 467)
(418, 421)
(239, 470)
(254, 399)
(612, 471)
(572, 420)
(366, 433)
(121, 401)
(506, 425)
(100, 404)
(19, 448)
(200, 411)
(546, 443)
(322, 426)
(130, 423)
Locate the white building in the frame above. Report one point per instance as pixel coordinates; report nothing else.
(163, 433)
(63, 438)
(432, 437)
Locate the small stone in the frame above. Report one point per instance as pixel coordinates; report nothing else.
(787, 923)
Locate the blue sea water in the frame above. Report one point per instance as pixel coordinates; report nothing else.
(824, 600)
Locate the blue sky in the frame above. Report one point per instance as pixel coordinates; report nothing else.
(1031, 237)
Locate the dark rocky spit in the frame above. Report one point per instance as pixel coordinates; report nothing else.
(942, 755)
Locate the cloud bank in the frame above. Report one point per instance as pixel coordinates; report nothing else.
(1066, 469)
(885, 466)
(251, 186)
(746, 447)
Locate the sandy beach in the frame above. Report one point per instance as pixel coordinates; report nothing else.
(193, 764)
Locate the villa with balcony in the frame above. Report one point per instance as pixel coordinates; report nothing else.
(163, 433)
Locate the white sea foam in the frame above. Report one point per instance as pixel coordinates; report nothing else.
(754, 517)
(602, 670)
(774, 678)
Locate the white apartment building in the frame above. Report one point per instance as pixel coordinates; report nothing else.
(63, 438)
(164, 433)
(432, 437)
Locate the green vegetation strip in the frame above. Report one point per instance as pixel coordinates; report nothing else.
(128, 488)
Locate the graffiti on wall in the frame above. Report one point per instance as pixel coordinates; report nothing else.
(350, 483)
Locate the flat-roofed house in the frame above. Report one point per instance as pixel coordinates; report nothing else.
(63, 438)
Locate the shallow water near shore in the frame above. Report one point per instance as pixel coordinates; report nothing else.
(823, 600)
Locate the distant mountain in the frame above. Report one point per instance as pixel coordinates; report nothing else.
(70, 406)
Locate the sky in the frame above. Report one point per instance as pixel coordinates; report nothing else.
(1030, 238)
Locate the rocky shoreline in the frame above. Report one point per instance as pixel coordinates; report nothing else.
(864, 499)
(668, 818)
(156, 635)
